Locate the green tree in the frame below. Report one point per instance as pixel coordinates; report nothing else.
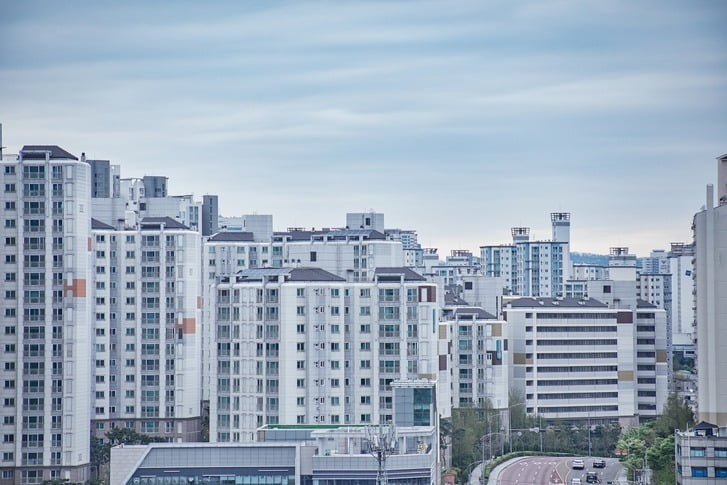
(676, 415)
(655, 440)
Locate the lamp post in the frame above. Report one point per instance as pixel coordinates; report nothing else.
(509, 426)
(482, 442)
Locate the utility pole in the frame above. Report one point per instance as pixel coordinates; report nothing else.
(381, 445)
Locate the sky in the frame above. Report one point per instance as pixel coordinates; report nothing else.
(458, 119)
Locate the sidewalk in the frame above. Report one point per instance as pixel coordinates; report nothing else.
(476, 474)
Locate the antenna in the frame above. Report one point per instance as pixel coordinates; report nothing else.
(381, 445)
(1, 141)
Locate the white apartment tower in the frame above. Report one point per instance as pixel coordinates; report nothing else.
(533, 268)
(147, 339)
(47, 316)
(710, 272)
(475, 357)
(304, 346)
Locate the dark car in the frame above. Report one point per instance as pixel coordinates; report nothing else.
(591, 477)
(599, 463)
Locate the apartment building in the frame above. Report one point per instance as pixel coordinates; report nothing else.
(710, 241)
(147, 343)
(132, 199)
(47, 315)
(350, 254)
(666, 280)
(579, 360)
(305, 346)
(532, 268)
(474, 357)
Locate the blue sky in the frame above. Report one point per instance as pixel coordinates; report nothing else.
(458, 119)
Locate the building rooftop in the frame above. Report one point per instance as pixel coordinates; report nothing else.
(556, 303)
(157, 222)
(478, 312)
(96, 224)
(644, 304)
(230, 236)
(290, 274)
(37, 152)
(408, 274)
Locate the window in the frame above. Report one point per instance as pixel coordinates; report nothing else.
(699, 471)
(313, 256)
(699, 452)
(720, 452)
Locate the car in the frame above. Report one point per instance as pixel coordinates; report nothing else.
(578, 464)
(591, 477)
(575, 481)
(599, 463)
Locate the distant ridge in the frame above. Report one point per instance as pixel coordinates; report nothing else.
(589, 258)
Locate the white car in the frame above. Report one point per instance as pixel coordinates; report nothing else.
(578, 464)
(575, 481)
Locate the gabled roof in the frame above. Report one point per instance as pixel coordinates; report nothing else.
(291, 274)
(224, 236)
(366, 233)
(408, 274)
(313, 274)
(705, 425)
(96, 224)
(478, 312)
(644, 304)
(37, 152)
(156, 223)
(556, 303)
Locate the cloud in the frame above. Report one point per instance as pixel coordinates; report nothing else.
(453, 119)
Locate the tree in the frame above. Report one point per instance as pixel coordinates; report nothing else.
(676, 415)
(655, 440)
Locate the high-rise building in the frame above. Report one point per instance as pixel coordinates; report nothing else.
(147, 343)
(305, 346)
(533, 268)
(710, 240)
(47, 316)
(474, 357)
(210, 215)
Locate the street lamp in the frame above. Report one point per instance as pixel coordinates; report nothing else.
(482, 443)
(509, 426)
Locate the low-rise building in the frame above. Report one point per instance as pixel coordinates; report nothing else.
(701, 455)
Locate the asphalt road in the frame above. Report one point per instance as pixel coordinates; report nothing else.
(610, 473)
(549, 470)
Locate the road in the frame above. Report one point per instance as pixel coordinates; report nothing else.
(549, 470)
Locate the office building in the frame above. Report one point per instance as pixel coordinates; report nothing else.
(701, 455)
(581, 361)
(47, 316)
